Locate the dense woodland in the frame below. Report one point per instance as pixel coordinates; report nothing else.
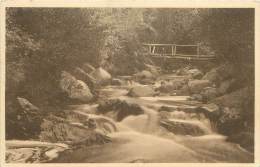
(43, 42)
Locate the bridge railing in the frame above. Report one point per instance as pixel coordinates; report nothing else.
(171, 51)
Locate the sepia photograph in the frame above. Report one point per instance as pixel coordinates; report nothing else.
(129, 85)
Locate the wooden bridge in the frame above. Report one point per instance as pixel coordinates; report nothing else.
(174, 51)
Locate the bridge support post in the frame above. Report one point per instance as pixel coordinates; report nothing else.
(153, 49)
(198, 47)
(174, 53)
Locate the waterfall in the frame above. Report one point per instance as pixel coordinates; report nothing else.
(156, 136)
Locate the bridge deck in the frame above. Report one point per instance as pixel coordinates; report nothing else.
(170, 51)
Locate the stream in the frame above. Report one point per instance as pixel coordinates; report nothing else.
(144, 138)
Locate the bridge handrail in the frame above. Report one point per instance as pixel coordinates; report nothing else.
(183, 55)
(173, 52)
(157, 44)
(173, 48)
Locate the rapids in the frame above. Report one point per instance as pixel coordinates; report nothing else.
(142, 138)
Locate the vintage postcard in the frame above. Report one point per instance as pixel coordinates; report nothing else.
(130, 83)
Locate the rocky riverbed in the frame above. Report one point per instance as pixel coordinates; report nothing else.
(184, 116)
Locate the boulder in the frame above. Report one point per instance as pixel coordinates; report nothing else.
(117, 82)
(75, 116)
(164, 115)
(225, 71)
(92, 121)
(225, 86)
(141, 91)
(88, 68)
(196, 86)
(186, 109)
(20, 151)
(195, 73)
(230, 121)
(197, 97)
(237, 112)
(26, 122)
(247, 142)
(169, 86)
(211, 76)
(101, 75)
(184, 91)
(82, 75)
(119, 109)
(57, 129)
(211, 110)
(220, 73)
(182, 127)
(166, 87)
(153, 69)
(26, 105)
(144, 75)
(167, 108)
(209, 93)
(75, 89)
(234, 99)
(183, 71)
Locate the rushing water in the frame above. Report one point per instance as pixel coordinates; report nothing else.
(141, 138)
